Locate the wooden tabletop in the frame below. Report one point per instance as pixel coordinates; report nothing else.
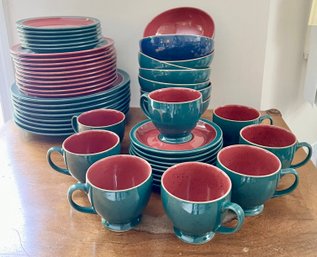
(36, 219)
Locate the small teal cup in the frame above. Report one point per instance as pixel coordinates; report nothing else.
(173, 111)
(277, 140)
(83, 149)
(232, 118)
(196, 197)
(255, 174)
(119, 188)
(101, 119)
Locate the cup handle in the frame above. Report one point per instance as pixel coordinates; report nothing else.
(292, 187)
(264, 117)
(82, 187)
(52, 164)
(74, 123)
(310, 150)
(144, 104)
(240, 216)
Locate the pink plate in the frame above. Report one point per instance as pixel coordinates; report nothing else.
(66, 79)
(105, 62)
(66, 90)
(62, 85)
(17, 50)
(183, 20)
(57, 22)
(203, 134)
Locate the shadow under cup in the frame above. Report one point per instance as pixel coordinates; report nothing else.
(195, 197)
(119, 188)
(277, 140)
(83, 149)
(255, 174)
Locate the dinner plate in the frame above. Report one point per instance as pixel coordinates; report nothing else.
(54, 40)
(30, 44)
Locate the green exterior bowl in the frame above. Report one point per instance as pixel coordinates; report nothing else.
(197, 63)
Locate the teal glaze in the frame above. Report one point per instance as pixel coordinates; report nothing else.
(116, 128)
(151, 85)
(197, 63)
(205, 105)
(175, 121)
(146, 61)
(197, 222)
(176, 76)
(120, 210)
(251, 192)
(231, 128)
(78, 164)
(285, 154)
(185, 153)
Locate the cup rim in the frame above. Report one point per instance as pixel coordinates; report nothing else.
(177, 89)
(253, 147)
(91, 131)
(114, 157)
(268, 147)
(237, 105)
(102, 110)
(197, 202)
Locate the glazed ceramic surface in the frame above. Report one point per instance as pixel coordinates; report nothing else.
(195, 197)
(277, 140)
(255, 174)
(196, 63)
(232, 118)
(119, 188)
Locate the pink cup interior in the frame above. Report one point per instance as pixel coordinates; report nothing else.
(237, 112)
(267, 135)
(91, 142)
(196, 182)
(175, 95)
(101, 118)
(249, 160)
(119, 172)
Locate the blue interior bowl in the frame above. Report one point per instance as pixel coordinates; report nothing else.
(176, 47)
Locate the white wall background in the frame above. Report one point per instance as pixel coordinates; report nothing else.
(259, 47)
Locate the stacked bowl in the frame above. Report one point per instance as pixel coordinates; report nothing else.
(64, 66)
(175, 133)
(176, 51)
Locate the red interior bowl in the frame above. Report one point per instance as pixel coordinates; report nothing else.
(101, 118)
(237, 113)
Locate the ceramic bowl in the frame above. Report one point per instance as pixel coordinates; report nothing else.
(176, 76)
(197, 63)
(176, 47)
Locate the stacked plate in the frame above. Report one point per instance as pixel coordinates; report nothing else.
(51, 116)
(177, 50)
(145, 143)
(59, 34)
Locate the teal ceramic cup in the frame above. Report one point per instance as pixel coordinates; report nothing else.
(232, 118)
(196, 196)
(119, 188)
(255, 174)
(277, 140)
(173, 111)
(101, 119)
(83, 149)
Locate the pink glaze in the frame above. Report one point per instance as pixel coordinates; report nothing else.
(175, 95)
(194, 181)
(119, 172)
(148, 135)
(91, 142)
(59, 22)
(268, 135)
(101, 118)
(249, 160)
(237, 112)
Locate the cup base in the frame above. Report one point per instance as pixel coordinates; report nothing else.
(179, 140)
(254, 211)
(191, 239)
(121, 227)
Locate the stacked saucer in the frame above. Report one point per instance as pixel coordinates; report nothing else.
(64, 67)
(203, 147)
(59, 34)
(52, 116)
